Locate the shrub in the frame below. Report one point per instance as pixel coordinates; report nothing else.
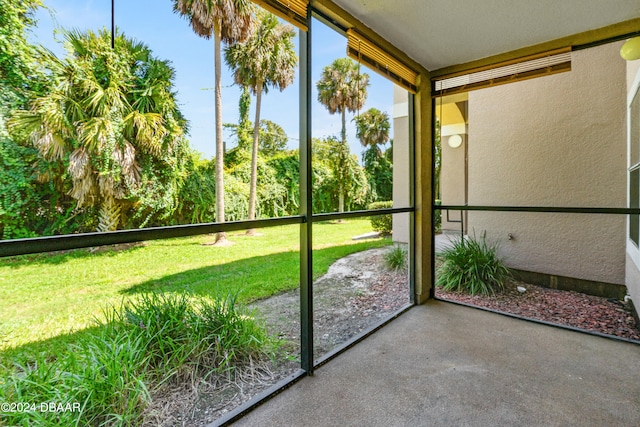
(287, 171)
(471, 265)
(396, 258)
(382, 223)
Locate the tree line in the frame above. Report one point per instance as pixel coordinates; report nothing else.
(96, 140)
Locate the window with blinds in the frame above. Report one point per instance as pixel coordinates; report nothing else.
(366, 52)
(292, 11)
(506, 72)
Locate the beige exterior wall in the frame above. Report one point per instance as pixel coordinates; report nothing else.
(558, 140)
(633, 282)
(453, 187)
(401, 187)
(632, 278)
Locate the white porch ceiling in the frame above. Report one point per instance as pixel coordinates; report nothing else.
(440, 33)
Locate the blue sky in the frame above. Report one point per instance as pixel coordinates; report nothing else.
(170, 37)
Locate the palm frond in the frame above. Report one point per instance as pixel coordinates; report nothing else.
(84, 190)
(79, 166)
(94, 133)
(130, 168)
(267, 58)
(233, 19)
(146, 129)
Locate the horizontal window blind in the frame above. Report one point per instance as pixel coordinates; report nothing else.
(366, 52)
(539, 65)
(292, 11)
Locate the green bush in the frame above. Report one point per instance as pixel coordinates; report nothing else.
(381, 223)
(287, 170)
(396, 258)
(472, 266)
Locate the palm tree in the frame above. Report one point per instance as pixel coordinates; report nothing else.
(103, 113)
(342, 88)
(229, 21)
(372, 128)
(267, 59)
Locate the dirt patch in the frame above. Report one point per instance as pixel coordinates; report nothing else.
(198, 403)
(357, 292)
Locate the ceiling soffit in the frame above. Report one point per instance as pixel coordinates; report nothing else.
(442, 33)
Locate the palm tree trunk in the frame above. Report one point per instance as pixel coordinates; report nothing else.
(341, 184)
(253, 186)
(344, 127)
(109, 215)
(221, 237)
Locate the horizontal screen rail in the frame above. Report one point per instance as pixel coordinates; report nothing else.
(35, 245)
(358, 214)
(543, 209)
(77, 241)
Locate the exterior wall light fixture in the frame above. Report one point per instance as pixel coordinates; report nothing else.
(631, 49)
(454, 141)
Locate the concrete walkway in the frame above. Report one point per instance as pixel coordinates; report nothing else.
(441, 364)
(443, 240)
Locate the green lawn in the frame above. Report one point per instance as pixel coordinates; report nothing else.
(45, 296)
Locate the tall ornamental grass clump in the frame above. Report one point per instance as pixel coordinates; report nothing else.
(472, 266)
(107, 377)
(396, 258)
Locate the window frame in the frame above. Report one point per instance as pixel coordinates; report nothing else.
(633, 172)
(305, 217)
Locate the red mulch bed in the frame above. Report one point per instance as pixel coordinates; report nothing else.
(569, 308)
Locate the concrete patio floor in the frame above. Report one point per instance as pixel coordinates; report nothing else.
(441, 364)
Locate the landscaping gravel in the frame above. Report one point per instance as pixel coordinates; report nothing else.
(568, 308)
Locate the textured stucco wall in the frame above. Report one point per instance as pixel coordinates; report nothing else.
(558, 140)
(452, 181)
(401, 187)
(632, 278)
(633, 282)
